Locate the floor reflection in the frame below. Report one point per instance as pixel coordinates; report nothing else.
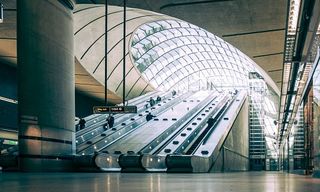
(157, 182)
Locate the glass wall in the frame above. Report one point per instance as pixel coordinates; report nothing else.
(298, 145)
(257, 142)
(308, 126)
(316, 119)
(263, 113)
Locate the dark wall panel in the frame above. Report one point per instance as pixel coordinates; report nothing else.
(9, 111)
(8, 82)
(84, 104)
(8, 115)
(8, 89)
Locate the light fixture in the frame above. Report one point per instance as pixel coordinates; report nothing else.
(293, 16)
(1, 12)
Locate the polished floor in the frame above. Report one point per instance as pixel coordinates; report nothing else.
(157, 182)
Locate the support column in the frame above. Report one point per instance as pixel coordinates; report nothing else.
(46, 84)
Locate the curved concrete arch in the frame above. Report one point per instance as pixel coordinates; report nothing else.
(94, 58)
(90, 51)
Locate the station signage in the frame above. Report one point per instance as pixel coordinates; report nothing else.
(114, 109)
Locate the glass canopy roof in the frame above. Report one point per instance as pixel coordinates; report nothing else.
(173, 54)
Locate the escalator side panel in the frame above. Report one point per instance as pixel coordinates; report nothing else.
(213, 143)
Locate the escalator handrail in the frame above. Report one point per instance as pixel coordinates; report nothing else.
(202, 138)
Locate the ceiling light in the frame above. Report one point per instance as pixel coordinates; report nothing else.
(293, 16)
(1, 12)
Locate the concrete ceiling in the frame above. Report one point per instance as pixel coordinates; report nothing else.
(8, 47)
(256, 27)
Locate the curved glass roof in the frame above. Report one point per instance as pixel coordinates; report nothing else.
(173, 54)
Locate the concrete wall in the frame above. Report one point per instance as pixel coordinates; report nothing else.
(8, 81)
(84, 104)
(46, 85)
(9, 111)
(234, 155)
(8, 116)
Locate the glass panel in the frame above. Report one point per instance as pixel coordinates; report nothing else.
(185, 48)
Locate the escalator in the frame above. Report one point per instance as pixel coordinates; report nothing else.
(117, 132)
(128, 150)
(191, 146)
(95, 122)
(206, 148)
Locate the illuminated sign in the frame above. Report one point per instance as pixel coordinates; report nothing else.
(114, 109)
(1, 13)
(9, 142)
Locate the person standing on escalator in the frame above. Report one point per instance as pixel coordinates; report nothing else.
(152, 102)
(82, 123)
(158, 99)
(110, 121)
(149, 116)
(210, 122)
(174, 93)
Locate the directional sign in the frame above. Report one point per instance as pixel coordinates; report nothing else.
(114, 109)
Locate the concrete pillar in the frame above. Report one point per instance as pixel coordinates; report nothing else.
(46, 84)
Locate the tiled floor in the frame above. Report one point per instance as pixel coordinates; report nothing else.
(156, 182)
